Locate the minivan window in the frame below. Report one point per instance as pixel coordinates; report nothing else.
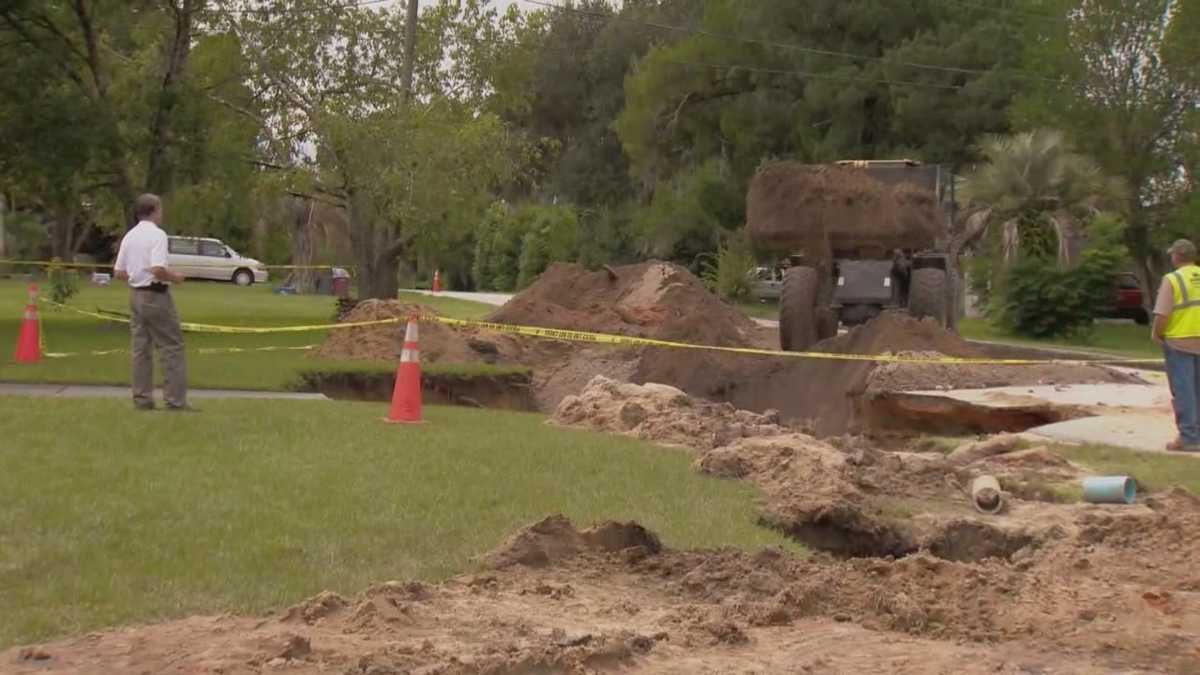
(182, 246)
(212, 248)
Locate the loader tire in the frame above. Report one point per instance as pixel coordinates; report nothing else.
(798, 328)
(927, 295)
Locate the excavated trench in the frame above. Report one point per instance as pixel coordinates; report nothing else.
(508, 391)
(847, 533)
(897, 411)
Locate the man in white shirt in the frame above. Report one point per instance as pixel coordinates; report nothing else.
(154, 323)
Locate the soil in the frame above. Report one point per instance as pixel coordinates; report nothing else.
(663, 301)
(827, 394)
(946, 376)
(794, 206)
(653, 299)
(907, 577)
(439, 343)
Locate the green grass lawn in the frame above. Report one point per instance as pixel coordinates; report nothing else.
(1153, 471)
(122, 516)
(198, 302)
(452, 307)
(1124, 338)
(760, 309)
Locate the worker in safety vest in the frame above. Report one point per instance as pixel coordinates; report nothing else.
(1177, 329)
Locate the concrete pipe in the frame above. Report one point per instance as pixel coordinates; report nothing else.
(986, 495)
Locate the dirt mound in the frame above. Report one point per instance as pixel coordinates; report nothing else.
(657, 412)
(829, 394)
(896, 331)
(439, 343)
(847, 497)
(792, 206)
(1117, 594)
(946, 376)
(653, 299)
(554, 539)
(385, 341)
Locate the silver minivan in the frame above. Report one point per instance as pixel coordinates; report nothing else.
(207, 258)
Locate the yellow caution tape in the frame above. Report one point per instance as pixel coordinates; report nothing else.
(108, 315)
(619, 340)
(202, 350)
(51, 263)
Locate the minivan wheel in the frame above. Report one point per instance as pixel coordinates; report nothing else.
(243, 277)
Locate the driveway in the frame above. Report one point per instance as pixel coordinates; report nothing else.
(493, 299)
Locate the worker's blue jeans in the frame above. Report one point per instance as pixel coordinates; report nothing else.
(1183, 374)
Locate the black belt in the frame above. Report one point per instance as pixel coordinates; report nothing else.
(155, 287)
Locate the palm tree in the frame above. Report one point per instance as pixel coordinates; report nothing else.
(1036, 188)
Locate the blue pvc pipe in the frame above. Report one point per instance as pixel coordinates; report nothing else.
(1109, 490)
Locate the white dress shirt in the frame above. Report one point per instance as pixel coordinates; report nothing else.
(144, 247)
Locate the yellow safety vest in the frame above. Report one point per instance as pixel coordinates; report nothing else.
(1184, 321)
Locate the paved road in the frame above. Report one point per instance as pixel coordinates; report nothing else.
(493, 299)
(93, 391)
(498, 299)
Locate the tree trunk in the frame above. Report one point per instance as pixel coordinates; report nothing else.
(381, 280)
(1148, 265)
(3, 235)
(158, 170)
(62, 240)
(259, 234)
(374, 257)
(305, 280)
(410, 48)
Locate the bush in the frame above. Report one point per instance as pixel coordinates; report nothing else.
(515, 245)
(64, 282)
(732, 275)
(1042, 300)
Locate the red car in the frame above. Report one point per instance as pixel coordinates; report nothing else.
(1127, 301)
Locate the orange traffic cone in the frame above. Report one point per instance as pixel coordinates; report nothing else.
(29, 349)
(437, 281)
(406, 396)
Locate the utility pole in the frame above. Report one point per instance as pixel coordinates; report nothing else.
(410, 48)
(3, 247)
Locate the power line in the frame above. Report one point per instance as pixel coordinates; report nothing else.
(826, 76)
(784, 45)
(1012, 11)
(348, 5)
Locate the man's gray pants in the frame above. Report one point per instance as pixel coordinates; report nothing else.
(154, 323)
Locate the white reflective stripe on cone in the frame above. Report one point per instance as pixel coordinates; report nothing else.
(410, 356)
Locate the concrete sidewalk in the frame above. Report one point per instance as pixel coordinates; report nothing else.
(1141, 432)
(1132, 416)
(97, 391)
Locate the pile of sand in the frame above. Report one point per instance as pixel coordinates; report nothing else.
(554, 539)
(826, 393)
(657, 412)
(901, 376)
(653, 300)
(439, 343)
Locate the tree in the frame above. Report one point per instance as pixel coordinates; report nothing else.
(407, 166)
(104, 99)
(1121, 80)
(1037, 190)
(818, 81)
